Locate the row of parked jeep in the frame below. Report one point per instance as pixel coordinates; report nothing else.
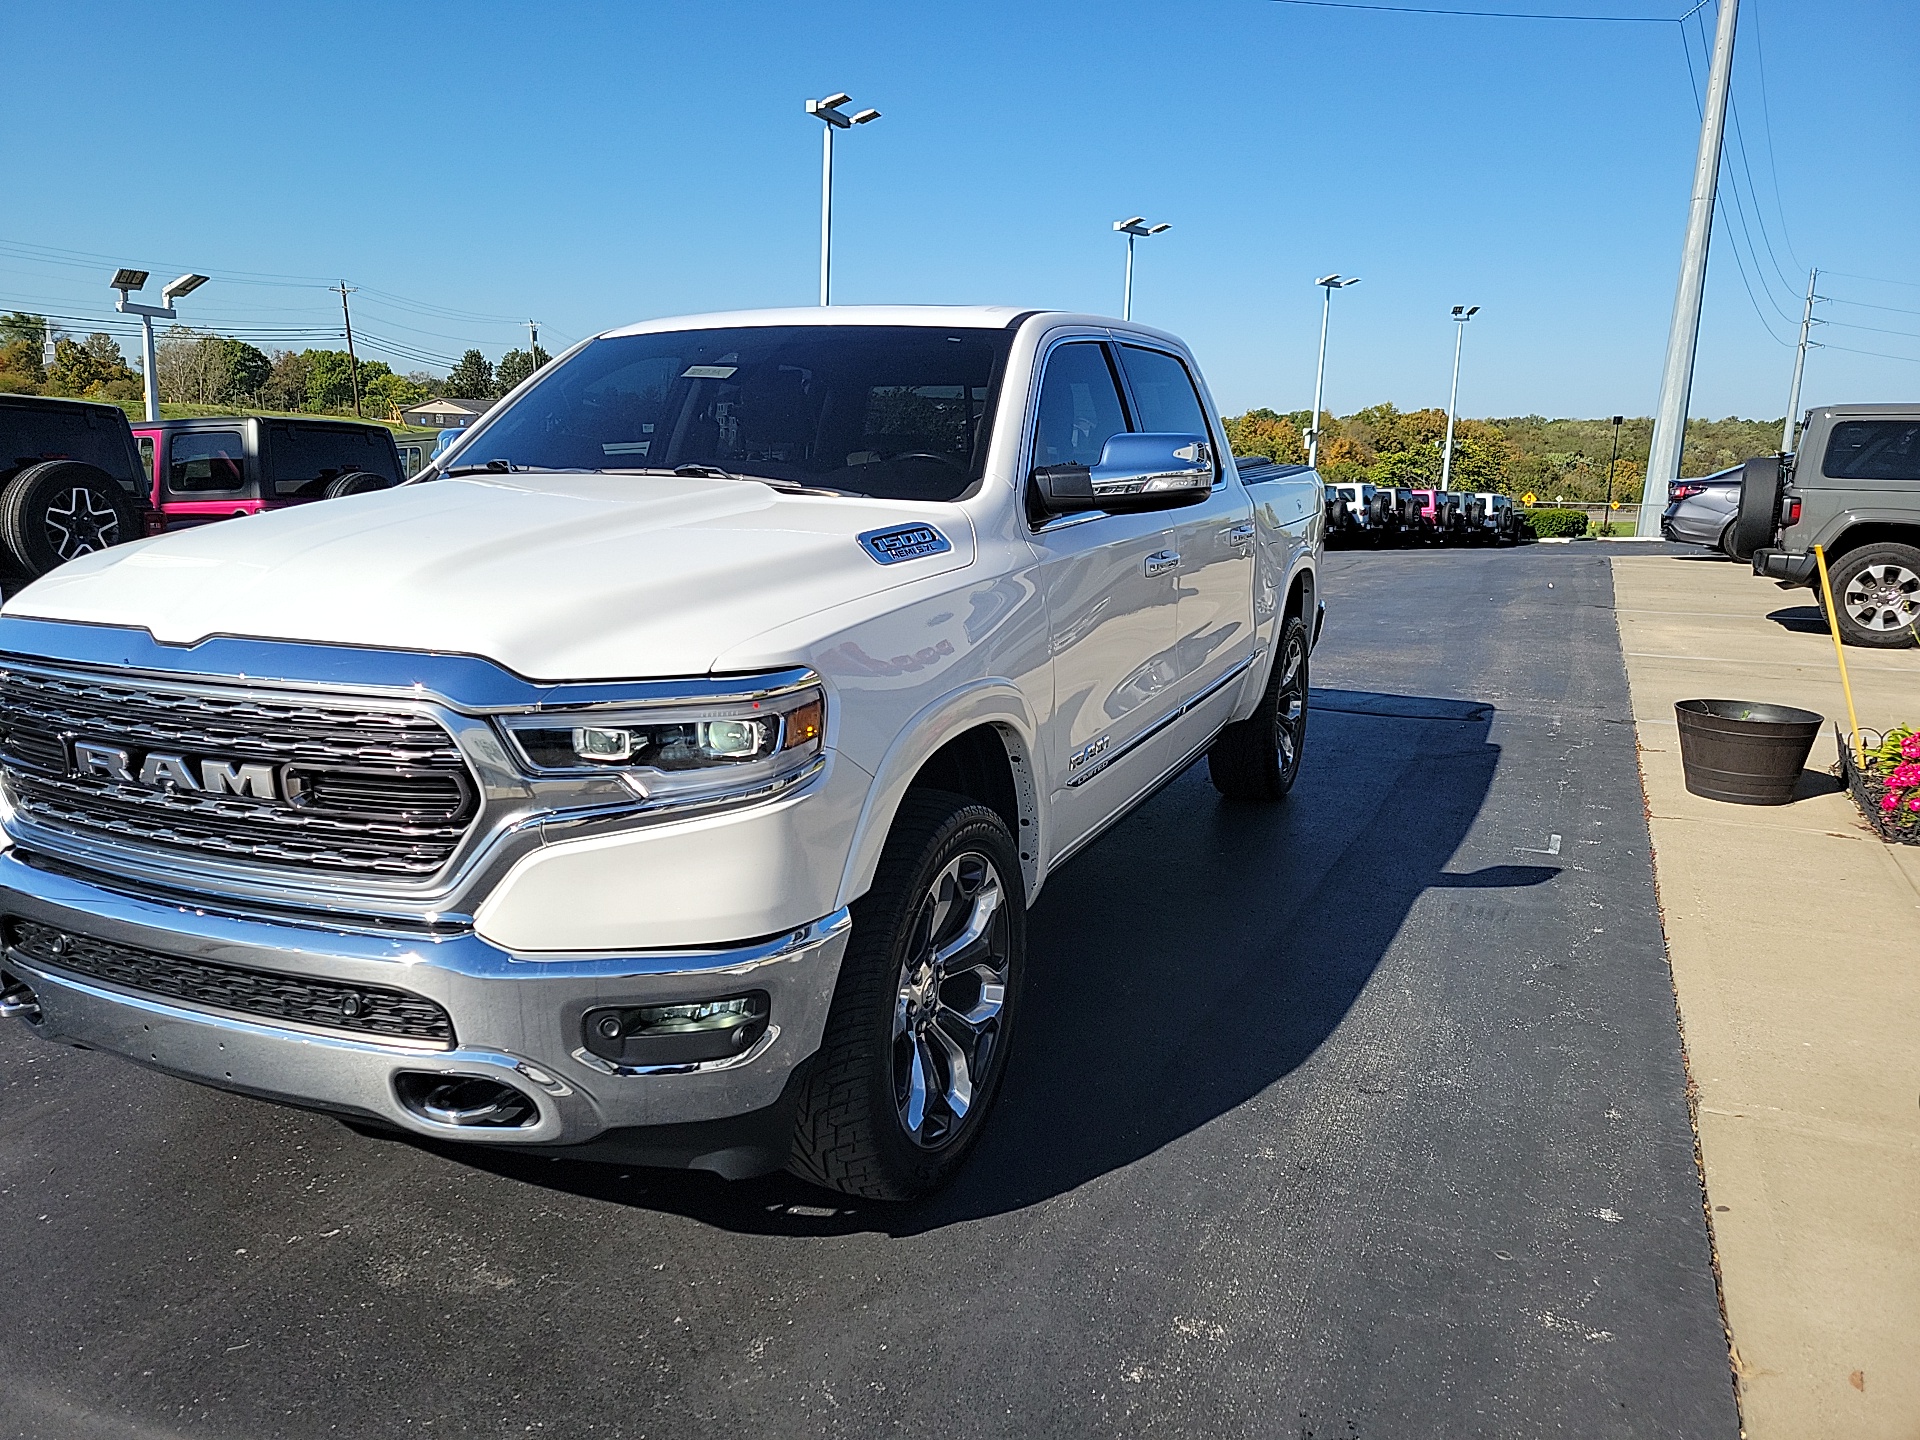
(1380, 515)
(77, 477)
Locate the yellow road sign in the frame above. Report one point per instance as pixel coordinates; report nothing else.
(1616, 504)
(1528, 498)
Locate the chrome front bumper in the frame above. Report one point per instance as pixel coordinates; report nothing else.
(518, 1019)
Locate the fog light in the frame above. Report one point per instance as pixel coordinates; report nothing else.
(685, 1034)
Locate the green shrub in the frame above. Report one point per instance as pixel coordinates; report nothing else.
(1555, 523)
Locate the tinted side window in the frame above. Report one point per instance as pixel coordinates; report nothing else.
(206, 460)
(146, 457)
(302, 459)
(1164, 392)
(1873, 450)
(28, 436)
(1079, 406)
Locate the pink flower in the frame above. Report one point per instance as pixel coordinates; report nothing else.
(1889, 802)
(1910, 748)
(1904, 777)
(1914, 804)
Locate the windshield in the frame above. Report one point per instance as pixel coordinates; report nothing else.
(896, 412)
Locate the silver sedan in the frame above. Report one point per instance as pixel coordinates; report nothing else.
(1699, 511)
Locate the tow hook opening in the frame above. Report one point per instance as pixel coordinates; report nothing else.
(466, 1101)
(17, 1000)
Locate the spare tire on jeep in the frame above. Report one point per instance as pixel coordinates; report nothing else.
(59, 509)
(356, 482)
(1754, 523)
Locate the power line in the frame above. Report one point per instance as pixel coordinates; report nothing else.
(1493, 14)
(1766, 118)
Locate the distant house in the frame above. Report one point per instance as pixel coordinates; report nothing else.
(445, 414)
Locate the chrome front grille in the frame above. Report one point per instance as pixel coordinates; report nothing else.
(377, 792)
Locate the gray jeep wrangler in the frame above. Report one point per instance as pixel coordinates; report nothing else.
(1852, 488)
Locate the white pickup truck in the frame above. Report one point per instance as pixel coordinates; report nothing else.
(666, 772)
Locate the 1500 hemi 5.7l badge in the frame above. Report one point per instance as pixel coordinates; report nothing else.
(904, 542)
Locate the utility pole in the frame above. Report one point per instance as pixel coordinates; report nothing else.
(533, 342)
(353, 361)
(1676, 381)
(1328, 284)
(1614, 459)
(1461, 315)
(1799, 368)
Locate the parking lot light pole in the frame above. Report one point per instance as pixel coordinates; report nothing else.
(125, 280)
(1132, 227)
(1461, 314)
(829, 111)
(1328, 284)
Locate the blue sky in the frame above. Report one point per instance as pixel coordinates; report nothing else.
(593, 164)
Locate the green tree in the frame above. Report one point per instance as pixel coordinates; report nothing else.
(244, 370)
(19, 325)
(472, 378)
(329, 380)
(1258, 432)
(515, 366)
(75, 369)
(1416, 469)
(285, 387)
(387, 395)
(21, 372)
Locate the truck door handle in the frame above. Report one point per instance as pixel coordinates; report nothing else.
(1241, 534)
(1161, 561)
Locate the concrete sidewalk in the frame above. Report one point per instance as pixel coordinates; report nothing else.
(1794, 935)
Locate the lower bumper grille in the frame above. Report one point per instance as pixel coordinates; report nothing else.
(375, 1010)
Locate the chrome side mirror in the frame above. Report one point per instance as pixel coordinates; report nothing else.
(1136, 472)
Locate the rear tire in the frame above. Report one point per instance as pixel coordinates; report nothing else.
(1876, 589)
(917, 1039)
(1258, 758)
(58, 510)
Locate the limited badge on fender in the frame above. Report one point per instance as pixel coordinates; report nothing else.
(904, 542)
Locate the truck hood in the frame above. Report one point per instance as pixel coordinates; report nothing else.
(557, 577)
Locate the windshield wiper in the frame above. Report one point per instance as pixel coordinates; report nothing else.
(714, 472)
(492, 467)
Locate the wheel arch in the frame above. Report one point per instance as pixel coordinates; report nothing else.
(1862, 532)
(977, 742)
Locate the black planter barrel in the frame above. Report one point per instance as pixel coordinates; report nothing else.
(1742, 751)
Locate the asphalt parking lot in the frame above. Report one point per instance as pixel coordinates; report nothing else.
(1363, 1117)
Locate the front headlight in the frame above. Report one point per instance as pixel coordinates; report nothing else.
(680, 752)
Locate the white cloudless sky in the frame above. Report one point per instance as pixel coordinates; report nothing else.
(593, 164)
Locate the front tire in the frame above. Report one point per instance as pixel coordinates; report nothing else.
(1258, 758)
(1876, 589)
(917, 1039)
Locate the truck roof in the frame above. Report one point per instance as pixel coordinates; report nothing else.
(971, 317)
(1911, 408)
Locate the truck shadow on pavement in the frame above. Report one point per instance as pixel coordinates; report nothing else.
(1196, 955)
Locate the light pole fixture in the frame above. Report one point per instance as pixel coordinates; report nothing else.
(829, 111)
(1328, 284)
(1132, 226)
(1461, 314)
(125, 280)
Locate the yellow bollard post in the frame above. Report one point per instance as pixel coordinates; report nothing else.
(1833, 623)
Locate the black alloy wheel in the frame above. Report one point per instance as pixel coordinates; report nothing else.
(1258, 758)
(916, 1042)
(59, 510)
